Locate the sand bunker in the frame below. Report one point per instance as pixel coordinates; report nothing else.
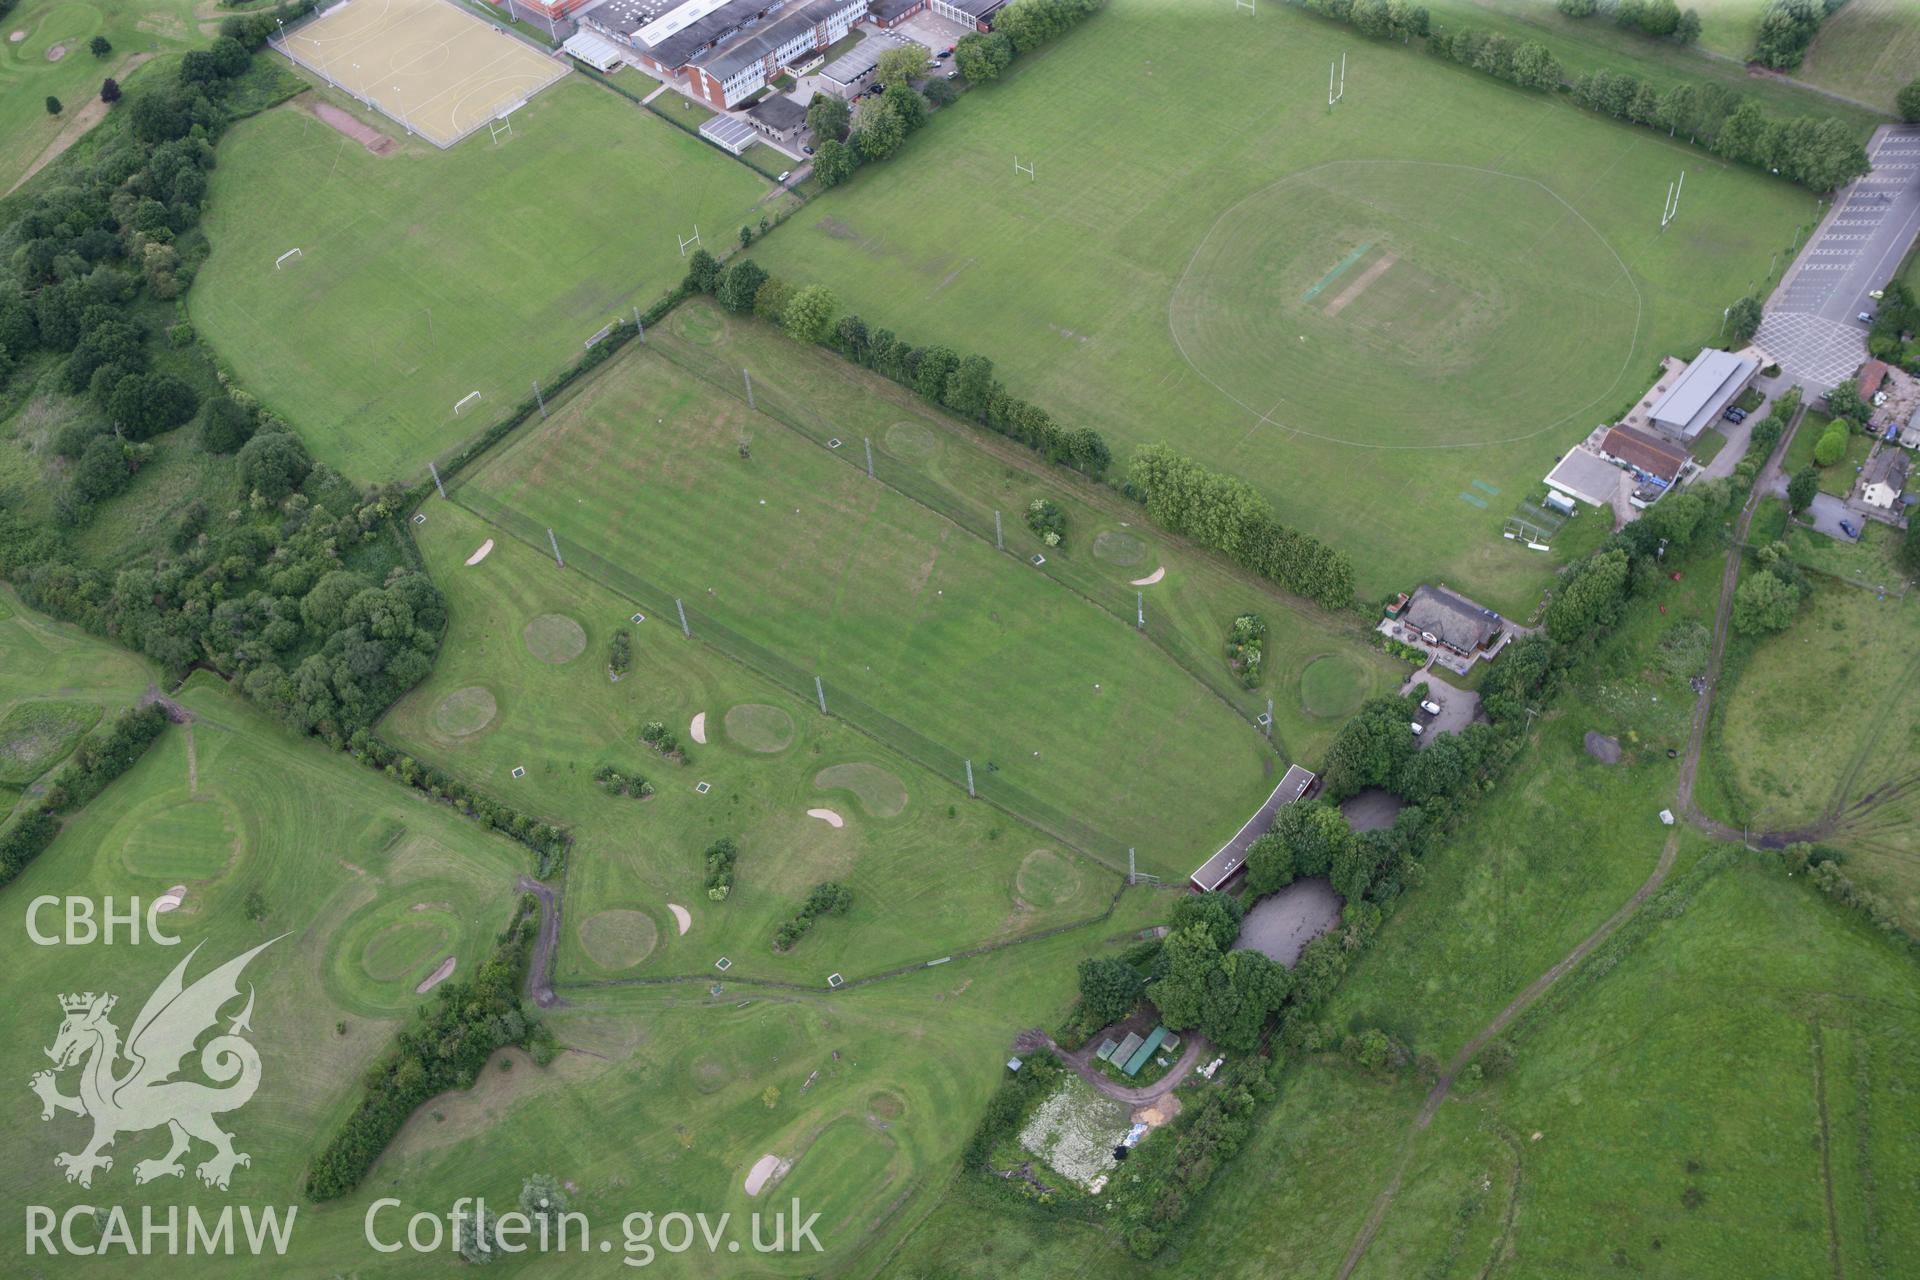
(435, 978)
(171, 899)
(486, 549)
(698, 732)
(767, 1169)
(56, 53)
(16, 37)
(1151, 578)
(681, 916)
(827, 816)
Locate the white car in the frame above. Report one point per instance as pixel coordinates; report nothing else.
(1418, 729)
(1431, 708)
(784, 175)
(1865, 317)
(1878, 294)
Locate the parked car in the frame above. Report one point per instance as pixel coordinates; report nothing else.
(953, 75)
(943, 55)
(807, 150)
(1431, 708)
(1865, 317)
(1846, 527)
(1878, 294)
(1418, 729)
(784, 175)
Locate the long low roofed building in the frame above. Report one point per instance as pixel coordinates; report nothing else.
(1646, 453)
(1712, 382)
(1295, 784)
(722, 51)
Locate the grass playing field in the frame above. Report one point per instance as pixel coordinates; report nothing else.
(492, 705)
(1167, 249)
(426, 275)
(920, 630)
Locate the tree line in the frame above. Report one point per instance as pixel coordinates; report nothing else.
(1819, 153)
(1660, 19)
(544, 838)
(445, 1048)
(1226, 514)
(96, 761)
(828, 898)
(962, 384)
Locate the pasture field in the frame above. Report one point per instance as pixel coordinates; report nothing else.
(366, 886)
(1109, 551)
(1379, 370)
(1801, 756)
(56, 683)
(1652, 1114)
(137, 30)
(426, 275)
(922, 633)
(1869, 50)
(931, 873)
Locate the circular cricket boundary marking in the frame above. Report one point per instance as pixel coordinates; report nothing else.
(829, 817)
(1119, 548)
(759, 727)
(697, 730)
(465, 712)
(618, 938)
(554, 638)
(1265, 417)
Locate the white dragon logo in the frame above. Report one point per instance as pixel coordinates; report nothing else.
(145, 1095)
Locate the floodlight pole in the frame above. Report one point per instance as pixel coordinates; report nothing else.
(820, 692)
(538, 398)
(749, 379)
(1140, 609)
(869, 440)
(1269, 725)
(639, 328)
(555, 543)
(970, 792)
(1130, 870)
(999, 542)
(436, 478)
(685, 630)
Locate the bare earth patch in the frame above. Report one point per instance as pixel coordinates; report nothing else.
(360, 131)
(435, 978)
(1603, 748)
(767, 1169)
(1352, 292)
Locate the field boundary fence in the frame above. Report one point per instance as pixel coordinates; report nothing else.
(847, 705)
(918, 485)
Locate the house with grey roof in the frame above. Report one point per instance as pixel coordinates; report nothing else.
(1884, 479)
(1452, 621)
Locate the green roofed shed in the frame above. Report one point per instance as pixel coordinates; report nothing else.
(1145, 1051)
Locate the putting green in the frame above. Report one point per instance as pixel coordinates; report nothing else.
(35, 736)
(1118, 547)
(878, 790)
(173, 838)
(1436, 293)
(407, 949)
(554, 638)
(618, 939)
(465, 711)
(759, 727)
(912, 441)
(702, 325)
(1333, 685)
(1045, 879)
(383, 950)
(884, 1104)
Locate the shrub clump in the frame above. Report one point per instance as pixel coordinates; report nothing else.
(1246, 646)
(616, 782)
(829, 898)
(721, 855)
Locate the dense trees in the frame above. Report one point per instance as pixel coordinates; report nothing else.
(1588, 596)
(445, 1048)
(1764, 602)
(95, 762)
(810, 314)
(1109, 988)
(1226, 995)
(1802, 488)
(1787, 28)
(828, 898)
(1832, 444)
(982, 56)
(1228, 515)
(1909, 102)
(1662, 19)
(1743, 321)
(828, 118)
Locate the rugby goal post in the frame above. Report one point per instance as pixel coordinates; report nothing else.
(1245, 4)
(687, 240)
(1026, 168)
(465, 400)
(281, 261)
